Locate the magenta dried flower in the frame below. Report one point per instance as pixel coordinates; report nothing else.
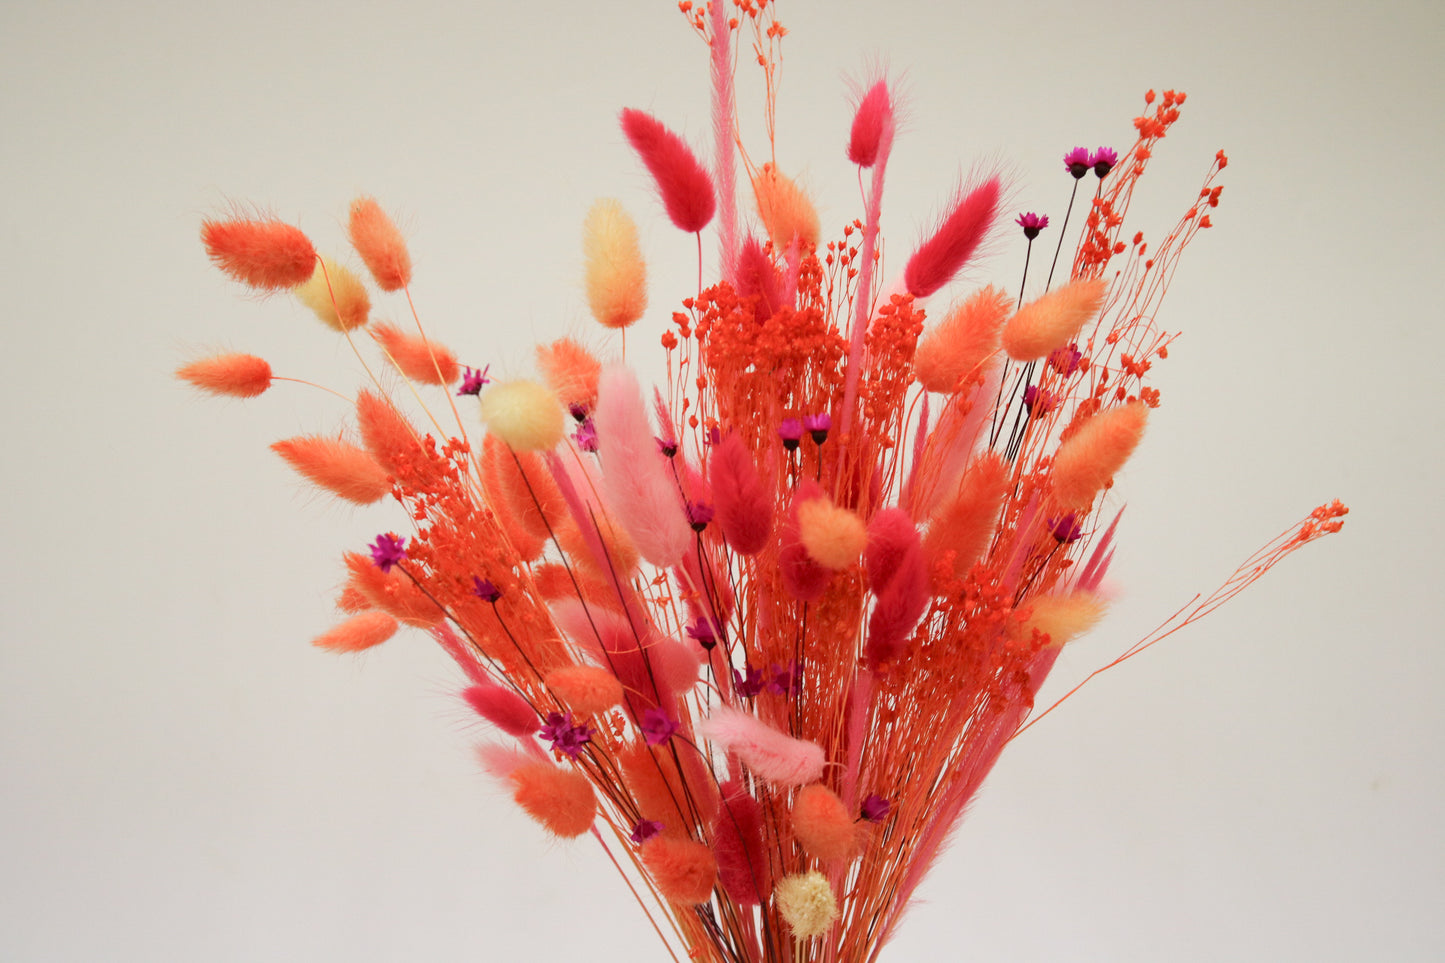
(645, 830)
(1066, 360)
(818, 425)
(656, 727)
(702, 633)
(1066, 528)
(749, 682)
(565, 736)
(875, 808)
(485, 589)
(791, 431)
(667, 447)
(387, 551)
(1038, 401)
(1032, 224)
(1078, 162)
(578, 411)
(784, 680)
(586, 435)
(473, 381)
(698, 515)
(1103, 160)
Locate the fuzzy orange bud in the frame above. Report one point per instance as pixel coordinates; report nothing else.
(1051, 321)
(380, 244)
(683, 870)
(237, 375)
(785, 210)
(358, 632)
(343, 469)
(586, 689)
(262, 252)
(822, 824)
(1088, 460)
(957, 348)
(560, 799)
(420, 359)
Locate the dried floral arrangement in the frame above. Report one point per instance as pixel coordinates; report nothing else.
(764, 630)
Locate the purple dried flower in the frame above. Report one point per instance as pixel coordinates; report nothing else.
(875, 808)
(472, 381)
(698, 515)
(656, 727)
(1078, 161)
(645, 830)
(1103, 160)
(1032, 224)
(818, 425)
(565, 737)
(1066, 360)
(1037, 401)
(702, 633)
(667, 447)
(577, 410)
(387, 551)
(748, 686)
(1066, 528)
(791, 431)
(485, 589)
(784, 680)
(586, 435)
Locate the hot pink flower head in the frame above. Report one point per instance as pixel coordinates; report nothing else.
(1103, 160)
(387, 551)
(1032, 224)
(473, 381)
(1078, 161)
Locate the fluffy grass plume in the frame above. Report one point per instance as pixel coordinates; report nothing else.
(959, 347)
(833, 536)
(742, 862)
(1064, 618)
(392, 592)
(265, 253)
(524, 414)
(237, 375)
(870, 121)
(682, 182)
(771, 755)
(965, 523)
(955, 240)
(503, 708)
(1051, 321)
(1091, 456)
(364, 631)
(571, 371)
(785, 210)
(420, 359)
(823, 824)
(636, 482)
(585, 689)
(382, 248)
(683, 870)
(807, 903)
(616, 275)
(561, 800)
(336, 295)
(743, 502)
(341, 468)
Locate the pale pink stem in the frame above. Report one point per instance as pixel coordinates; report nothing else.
(722, 122)
(863, 294)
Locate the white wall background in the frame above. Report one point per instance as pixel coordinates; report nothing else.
(183, 778)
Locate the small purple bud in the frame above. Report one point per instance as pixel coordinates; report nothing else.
(667, 447)
(387, 551)
(1037, 401)
(1078, 161)
(1032, 224)
(1066, 529)
(748, 686)
(1103, 161)
(875, 808)
(791, 431)
(578, 410)
(485, 589)
(701, 632)
(586, 435)
(698, 515)
(1066, 360)
(645, 830)
(656, 727)
(818, 425)
(472, 381)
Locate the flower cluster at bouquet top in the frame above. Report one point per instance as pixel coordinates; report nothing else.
(764, 628)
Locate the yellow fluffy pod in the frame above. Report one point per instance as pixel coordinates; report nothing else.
(336, 295)
(833, 536)
(616, 274)
(1064, 617)
(525, 415)
(807, 903)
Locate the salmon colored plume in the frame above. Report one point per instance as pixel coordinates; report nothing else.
(380, 244)
(959, 347)
(1050, 322)
(266, 254)
(336, 295)
(364, 631)
(572, 372)
(1089, 459)
(683, 182)
(683, 870)
(417, 357)
(237, 375)
(343, 469)
(561, 800)
(823, 825)
(616, 275)
(955, 241)
(785, 210)
(761, 622)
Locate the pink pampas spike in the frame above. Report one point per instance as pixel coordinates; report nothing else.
(724, 161)
(504, 709)
(769, 754)
(635, 481)
(743, 502)
(944, 254)
(683, 183)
